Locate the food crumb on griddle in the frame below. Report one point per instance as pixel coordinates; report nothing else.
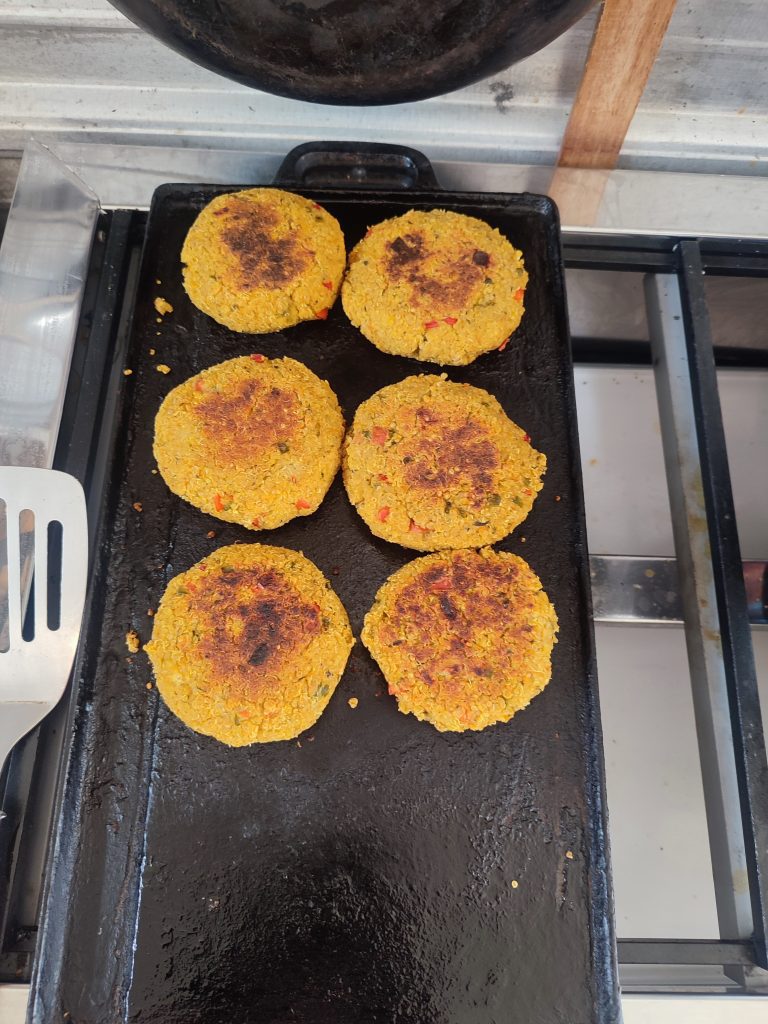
(132, 641)
(211, 534)
(353, 702)
(569, 854)
(127, 372)
(514, 883)
(150, 612)
(138, 507)
(149, 686)
(152, 351)
(158, 320)
(163, 306)
(154, 472)
(163, 368)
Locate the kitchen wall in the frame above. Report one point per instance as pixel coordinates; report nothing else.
(83, 70)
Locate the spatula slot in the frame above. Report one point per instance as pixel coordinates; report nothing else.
(55, 534)
(27, 563)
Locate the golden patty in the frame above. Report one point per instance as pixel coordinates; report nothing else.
(253, 440)
(464, 638)
(263, 259)
(249, 644)
(436, 286)
(431, 464)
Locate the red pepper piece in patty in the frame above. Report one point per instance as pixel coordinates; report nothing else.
(450, 320)
(322, 314)
(257, 357)
(383, 513)
(519, 294)
(527, 437)
(328, 285)
(503, 345)
(379, 435)
(430, 324)
(301, 504)
(384, 478)
(415, 528)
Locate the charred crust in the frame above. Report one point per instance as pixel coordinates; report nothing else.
(248, 418)
(266, 260)
(275, 623)
(446, 454)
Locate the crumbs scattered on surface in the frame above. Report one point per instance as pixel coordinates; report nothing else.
(138, 507)
(154, 472)
(158, 281)
(163, 306)
(158, 320)
(515, 883)
(557, 497)
(163, 368)
(569, 854)
(150, 612)
(149, 686)
(353, 702)
(151, 351)
(211, 534)
(298, 744)
(127, 372)
(132, 641)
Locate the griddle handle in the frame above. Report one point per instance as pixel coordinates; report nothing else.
(368, 165)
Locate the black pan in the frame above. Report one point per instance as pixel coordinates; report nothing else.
(355, 51)
(364, 873)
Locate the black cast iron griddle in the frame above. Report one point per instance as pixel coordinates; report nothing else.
(366, 872)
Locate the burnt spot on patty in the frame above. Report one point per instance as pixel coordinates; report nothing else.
(246, 419)
(252, 621)
(404, 252)
(447, 456)
(475, 596)
(440, 280)
(267, 258)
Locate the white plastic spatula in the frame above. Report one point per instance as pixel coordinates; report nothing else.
(34, 672)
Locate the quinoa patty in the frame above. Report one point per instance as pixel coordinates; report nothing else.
(464, 638)
(436, 286)
(249, 644)
(253, 440)
(431, 464)
(263, 259)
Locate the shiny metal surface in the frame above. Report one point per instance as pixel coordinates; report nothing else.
(647, 590)
(82, 71)
(34, 672)
(43, 260)
(699, 602)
